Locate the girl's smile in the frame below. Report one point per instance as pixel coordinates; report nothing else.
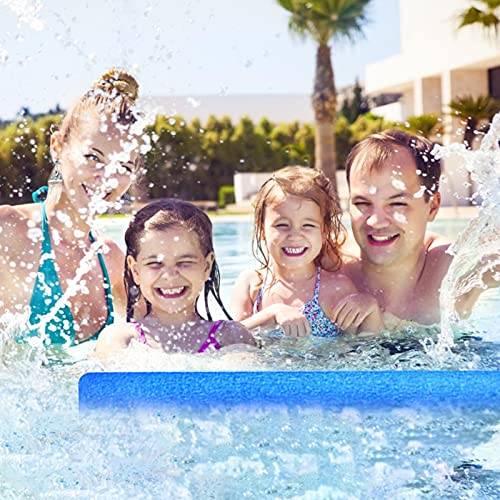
(171, 270)
(293, 231)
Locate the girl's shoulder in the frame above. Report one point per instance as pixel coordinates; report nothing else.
(251, 281)
(250, 277)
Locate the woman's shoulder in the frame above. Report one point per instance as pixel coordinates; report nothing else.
(16, 216)
(20, 227)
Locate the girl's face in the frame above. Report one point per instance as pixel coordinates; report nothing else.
(98, 160)
(171, 271)
(293, 232)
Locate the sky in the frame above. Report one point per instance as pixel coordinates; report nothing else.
(52, 50)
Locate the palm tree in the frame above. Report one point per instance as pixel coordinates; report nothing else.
(488, 16)
(324, 20)
(427, 125)
(474, 111)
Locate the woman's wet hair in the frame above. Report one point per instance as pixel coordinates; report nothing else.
(161, 215)
(310, 184)
(377, 148)
(114, 94)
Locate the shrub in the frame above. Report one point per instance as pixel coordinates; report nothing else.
(226, 196)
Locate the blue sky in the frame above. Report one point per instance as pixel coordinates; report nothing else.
(52, 50)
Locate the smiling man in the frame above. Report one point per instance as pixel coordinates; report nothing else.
(394, 180)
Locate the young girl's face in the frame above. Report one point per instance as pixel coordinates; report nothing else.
(293, 231)
(171, 270)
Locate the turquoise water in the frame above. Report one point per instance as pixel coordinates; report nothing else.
(48, 450)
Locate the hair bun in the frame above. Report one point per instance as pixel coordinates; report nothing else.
(118, 82)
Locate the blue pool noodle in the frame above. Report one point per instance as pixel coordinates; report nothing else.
(364, 389)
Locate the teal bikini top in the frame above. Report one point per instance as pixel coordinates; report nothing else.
(59, 326)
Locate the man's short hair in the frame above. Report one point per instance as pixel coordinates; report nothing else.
(377, 148)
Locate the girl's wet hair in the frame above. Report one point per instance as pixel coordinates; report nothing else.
(162, 215)
(311, 184)
(113, 94)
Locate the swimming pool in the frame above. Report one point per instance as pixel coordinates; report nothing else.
(278, 451)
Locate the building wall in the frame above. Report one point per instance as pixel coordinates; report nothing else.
(431, 44)
(438, 62)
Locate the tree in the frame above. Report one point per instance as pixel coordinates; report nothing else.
(427, 125)
(324, 20)
(488, 16)
(355, 106)
(474, 111)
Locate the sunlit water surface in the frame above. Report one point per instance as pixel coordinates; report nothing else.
(48, 450)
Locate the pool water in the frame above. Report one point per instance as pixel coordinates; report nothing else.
(49, 450)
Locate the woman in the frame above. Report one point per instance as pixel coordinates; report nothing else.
(50, 260)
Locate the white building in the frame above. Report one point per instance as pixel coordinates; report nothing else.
(438, 62)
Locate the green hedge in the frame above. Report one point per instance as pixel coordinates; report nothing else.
(226, 196)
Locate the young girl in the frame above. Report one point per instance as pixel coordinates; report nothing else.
(169, 262)
(297, 241)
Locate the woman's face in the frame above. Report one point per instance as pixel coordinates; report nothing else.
(97, 162)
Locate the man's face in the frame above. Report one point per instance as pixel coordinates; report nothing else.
(389, 212)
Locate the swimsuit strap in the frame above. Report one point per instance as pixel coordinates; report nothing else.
(258, 300)
(140, 331)
(107, 287)
(40, 194)
(317, 284)
(260, 293)
(46, 245)
(211, 340)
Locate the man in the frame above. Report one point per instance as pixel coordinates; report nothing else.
(394, 181)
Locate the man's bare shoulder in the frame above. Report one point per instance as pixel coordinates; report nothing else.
(439, 256)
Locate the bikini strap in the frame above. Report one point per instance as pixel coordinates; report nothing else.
(260, 294)
(140, 331)
(211, 340)
(107, 284)
(257, 302)
(40, 194)
(317, 284)
(46, 245)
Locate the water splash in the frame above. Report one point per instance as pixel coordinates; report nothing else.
(476, 250)
(27, 12)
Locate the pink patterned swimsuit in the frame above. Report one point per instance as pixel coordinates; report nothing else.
(210, 340)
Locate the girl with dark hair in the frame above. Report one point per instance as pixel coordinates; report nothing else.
(170, 261)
